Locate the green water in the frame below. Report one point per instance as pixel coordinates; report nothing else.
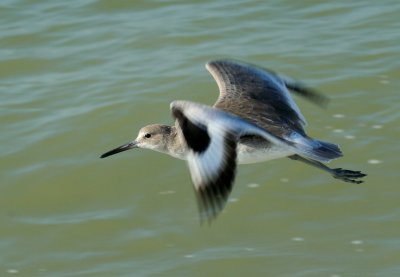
(79, 77)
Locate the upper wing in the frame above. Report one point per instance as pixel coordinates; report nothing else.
(259, 95)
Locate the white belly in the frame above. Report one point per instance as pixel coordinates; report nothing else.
(248, 155)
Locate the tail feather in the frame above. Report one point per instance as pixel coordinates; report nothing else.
(316, 149)
(326, 150)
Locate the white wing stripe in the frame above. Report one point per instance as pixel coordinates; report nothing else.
(206, 165)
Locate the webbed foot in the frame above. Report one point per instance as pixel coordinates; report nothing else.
(349, 176)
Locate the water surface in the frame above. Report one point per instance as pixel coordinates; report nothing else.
(80, 77)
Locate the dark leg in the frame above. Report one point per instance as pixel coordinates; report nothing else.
(338, 173)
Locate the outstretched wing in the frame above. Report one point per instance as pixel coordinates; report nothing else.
(211, 161)
(260, 96)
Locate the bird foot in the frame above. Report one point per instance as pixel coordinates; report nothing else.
(349, 176)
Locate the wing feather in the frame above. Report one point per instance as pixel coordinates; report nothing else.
(213, 167)
(259, 96)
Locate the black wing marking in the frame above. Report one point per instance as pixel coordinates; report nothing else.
(212, 196)
(211, 161)
(196, 137)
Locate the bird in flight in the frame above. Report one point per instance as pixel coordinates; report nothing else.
(253, 120)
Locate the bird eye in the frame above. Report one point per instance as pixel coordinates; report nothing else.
(147, 135)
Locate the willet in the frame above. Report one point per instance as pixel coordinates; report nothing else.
(254, 120)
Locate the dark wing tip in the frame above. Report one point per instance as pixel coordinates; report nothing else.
(308, 93)
(212, 197)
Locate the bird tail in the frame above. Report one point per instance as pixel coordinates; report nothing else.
(316, 149)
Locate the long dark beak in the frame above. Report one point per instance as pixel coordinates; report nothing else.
(121, 148)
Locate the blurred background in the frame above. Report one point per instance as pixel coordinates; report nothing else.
(80, 77)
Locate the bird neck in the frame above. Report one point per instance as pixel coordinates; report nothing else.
(176, 145)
